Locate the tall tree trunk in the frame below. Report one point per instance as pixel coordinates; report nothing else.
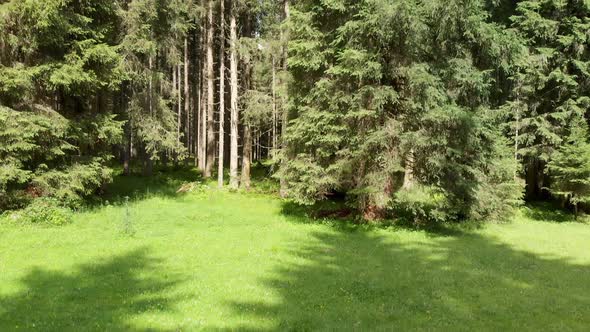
(516, 133)
(199, 155)
(210, 95)
(248, 151)
(409, 171)
(285, 117)
(274, 104)
(197, 112)
(179, 100)
(254, 145)
(203, 118)
(221, 94)
(246, 157)
(128, 148)
(148, 163)
(187, 104)
(203, 114)
(258, 146)
(151, 87)
(175, 100)
(234, 116)
(149, 168)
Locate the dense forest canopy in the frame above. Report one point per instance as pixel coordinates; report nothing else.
(427, 109)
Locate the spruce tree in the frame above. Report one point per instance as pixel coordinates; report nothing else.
(60, 74)
(570, 166)
(552, 81)
(370, 104)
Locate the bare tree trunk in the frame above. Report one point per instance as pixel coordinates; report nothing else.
(196, 117)
(210, 95)
(202, 99)
(221, 94)
(203, 117)
(234, 116)
(258, 146)
(285, 117)
(250, 134)
(148, 164)
(151, 87)
(149, 169)
(255, 146)
(199, 157)
(187, 104)
(246, 157)
(128, 148)
(198, 89)
(175, 100)
(179, 100)
(274, 105)
(409, 171)
(516, 129)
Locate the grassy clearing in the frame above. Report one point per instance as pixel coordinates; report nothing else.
(218, 260)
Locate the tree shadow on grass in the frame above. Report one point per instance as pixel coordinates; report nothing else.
(163, 183)
(100, 296)
(550, 212)
(360, 280)
(336, 214)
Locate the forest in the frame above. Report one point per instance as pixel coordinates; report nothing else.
(454, 111)
(458, 125)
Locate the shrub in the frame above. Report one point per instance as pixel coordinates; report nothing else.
(420, 205)
(45, 211)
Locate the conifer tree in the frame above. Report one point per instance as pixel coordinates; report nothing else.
(60, 75)
(569, 166)
(371, 104)
(553, 79)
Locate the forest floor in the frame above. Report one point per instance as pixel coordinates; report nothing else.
(215, 260)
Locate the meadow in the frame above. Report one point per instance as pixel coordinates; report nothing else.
(217, 260)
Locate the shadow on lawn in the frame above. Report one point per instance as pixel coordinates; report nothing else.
(100, 296)
(359, 280)
(550, 212)
(163, 183)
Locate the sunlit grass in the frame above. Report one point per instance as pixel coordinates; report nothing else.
(219, 260)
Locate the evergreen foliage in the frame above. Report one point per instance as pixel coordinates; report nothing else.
(570, 166)
(58, 67)
(427, 109)
(552, 82)
(370, 104)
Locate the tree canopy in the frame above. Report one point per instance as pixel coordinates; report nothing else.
(436, 110)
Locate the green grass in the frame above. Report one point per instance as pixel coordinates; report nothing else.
(233, 261)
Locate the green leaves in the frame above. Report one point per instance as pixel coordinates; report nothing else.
(41, 153)
(16, 84)
(550, 77)
(368, 99)
(570, 165)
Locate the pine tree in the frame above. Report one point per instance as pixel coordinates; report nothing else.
(570, 166)
(60, 75)
(552, 81)
(371, 104)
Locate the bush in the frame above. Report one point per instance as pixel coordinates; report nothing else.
(420, 205)
(45, 211)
